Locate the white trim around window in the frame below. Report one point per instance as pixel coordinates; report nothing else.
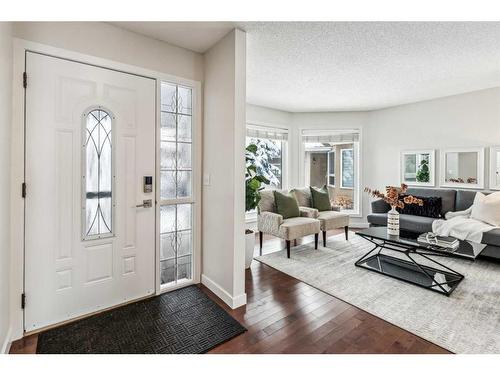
(278, 133)
(358, 147)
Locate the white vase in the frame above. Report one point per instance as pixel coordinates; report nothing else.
(249, 248)
(393, 222)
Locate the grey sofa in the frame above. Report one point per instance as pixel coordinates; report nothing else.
(452, 200)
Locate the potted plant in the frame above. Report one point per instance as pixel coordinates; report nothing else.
(392, 196)
(253, 185)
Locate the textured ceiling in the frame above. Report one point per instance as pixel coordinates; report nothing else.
(339, 66)
(361, 66)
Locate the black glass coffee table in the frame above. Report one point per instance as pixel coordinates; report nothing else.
(433, 275)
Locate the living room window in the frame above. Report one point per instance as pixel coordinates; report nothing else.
(271, 153)
(331, 168)
(347, 168)
(331, 158)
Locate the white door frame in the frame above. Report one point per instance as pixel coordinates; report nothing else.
(18, 163)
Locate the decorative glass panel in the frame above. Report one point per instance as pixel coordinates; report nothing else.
(167, 185)
(183, 184)
(184, 100)
(167, 126)
(167, 248)
(175, 242)
(184, 128)
(184, 155)
(167, 269)
(176, 137)
(183, 217)
(176, 183)
(167, 219)
(168, 155)
(168, 97)
(98, 177)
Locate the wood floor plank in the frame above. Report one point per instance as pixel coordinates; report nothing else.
(285, 315)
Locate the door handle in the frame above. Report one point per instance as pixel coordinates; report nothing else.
(146, 203)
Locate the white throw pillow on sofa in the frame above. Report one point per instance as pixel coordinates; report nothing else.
(486, 208)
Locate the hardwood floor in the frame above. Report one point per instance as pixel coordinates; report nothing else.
(285, 315)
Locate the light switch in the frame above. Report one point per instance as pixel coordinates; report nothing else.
(206, 179)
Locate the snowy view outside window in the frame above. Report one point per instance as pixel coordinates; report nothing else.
(269, 160)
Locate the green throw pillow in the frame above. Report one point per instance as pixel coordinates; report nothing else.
(286, 205)
(321, 199)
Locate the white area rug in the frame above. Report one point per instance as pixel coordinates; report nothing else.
(466, 322)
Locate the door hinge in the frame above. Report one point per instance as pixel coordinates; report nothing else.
(23, 301)
(23, 189)
(25, 79)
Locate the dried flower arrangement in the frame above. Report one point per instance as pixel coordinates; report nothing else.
(392, 196)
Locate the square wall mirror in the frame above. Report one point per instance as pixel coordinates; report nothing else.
(417, 168)
(462, 168)
(495, 168)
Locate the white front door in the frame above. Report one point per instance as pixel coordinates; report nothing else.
(90, 143)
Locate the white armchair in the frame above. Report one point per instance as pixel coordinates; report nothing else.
(328, 219)
(269, 222)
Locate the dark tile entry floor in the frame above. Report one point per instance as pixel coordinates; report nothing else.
(182, 321)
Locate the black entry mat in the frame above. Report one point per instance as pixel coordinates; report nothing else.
(185, 321)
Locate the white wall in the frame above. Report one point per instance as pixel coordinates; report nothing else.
(264, 116)
(223, 240)
(465, 120)
(5, 126)
(110, 42)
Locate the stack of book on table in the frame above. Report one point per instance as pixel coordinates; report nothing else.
(430, 238)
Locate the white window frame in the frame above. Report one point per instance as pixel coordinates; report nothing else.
(358, 148)
(328, 174)
(251, 216)
(342, 167)
(176, 201)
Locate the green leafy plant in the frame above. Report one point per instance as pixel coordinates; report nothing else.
(253, 179)
(267, 151)
(423, 171)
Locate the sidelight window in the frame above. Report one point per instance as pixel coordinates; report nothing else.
(176, 180)
(97, 175)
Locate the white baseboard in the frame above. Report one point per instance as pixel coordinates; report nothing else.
(232, 302)
(7, 342)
